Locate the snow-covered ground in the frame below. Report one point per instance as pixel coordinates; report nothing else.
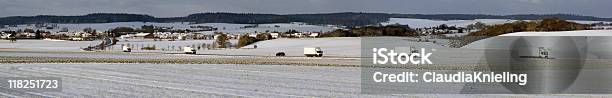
(282, 27)
(505, 39)
(175, 80)
(564, 33)
(47, 45)
(337, 47)
(230, 80)
(294, 47)
(222, 27)
(334, 47)
(596, 42)
(342, 47)
(423, 23)
(589, 22)
(215, 80)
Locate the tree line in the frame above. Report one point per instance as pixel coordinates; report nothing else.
(390, 30)
(548, 24)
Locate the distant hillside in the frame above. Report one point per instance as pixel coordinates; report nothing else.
(515, 17)
(229, 18)
(347, 19)
(90, 18)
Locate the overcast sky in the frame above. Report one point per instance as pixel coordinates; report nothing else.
(172, 8)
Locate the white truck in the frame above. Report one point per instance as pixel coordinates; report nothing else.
(189, 50)
(313, 52)
(544, 52)
(127, 49)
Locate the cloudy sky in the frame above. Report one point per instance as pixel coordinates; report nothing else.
(172, 8)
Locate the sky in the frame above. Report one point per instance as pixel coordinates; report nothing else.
(177, 8)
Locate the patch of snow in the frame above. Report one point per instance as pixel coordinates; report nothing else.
(425, 23)
(222, 27)
(48, 45)
(588, 22)
(564, 33)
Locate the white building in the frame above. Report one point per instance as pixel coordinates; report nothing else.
(4, 35)
(86, 35)
(314, 35)
(275, 35)
(298, 34)
(253, 35)
(125, 36)
(602, 27)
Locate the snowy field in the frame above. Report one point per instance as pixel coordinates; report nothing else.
(222, 27)
(482, 44)
(423, 23)
(590, 22)
(344, 47)
(597, 42)
(564, 33)
(283, 27)
(337, 47)
(175, 80)
(209, 80)
(46, 45)
(332, 47)
(231, 80)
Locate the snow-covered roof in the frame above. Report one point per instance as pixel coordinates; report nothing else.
(141, 34)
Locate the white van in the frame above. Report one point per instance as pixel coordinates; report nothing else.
(127, 49)
(313, 52)
(189, 50)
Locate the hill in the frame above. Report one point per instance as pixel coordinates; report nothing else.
(346, 19)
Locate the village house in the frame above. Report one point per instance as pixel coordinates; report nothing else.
(275, 35)
(298, 35)
(252, 34)
(313, 35)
